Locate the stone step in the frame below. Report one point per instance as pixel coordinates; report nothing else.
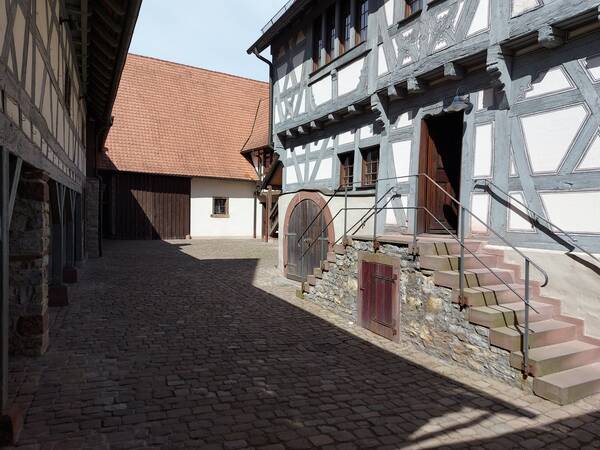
(311, 280)
(331, 257)
(450, 247)
(497, 316)
(570, 385)
(318, 273)
(496, 294)
(305, 287)
(451, 262)
(339, 249)
(473, 277)
(326, 266)
(542, 333)
(558, 357)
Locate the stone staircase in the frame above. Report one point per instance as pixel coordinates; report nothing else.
(564, 362)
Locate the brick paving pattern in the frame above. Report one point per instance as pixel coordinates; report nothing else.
(201, 344)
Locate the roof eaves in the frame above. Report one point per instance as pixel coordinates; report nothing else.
(281, 19)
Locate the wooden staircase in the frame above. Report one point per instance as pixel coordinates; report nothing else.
(564, 362)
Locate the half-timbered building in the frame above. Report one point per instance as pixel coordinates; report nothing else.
(60, 65)
(186, 153)
(466, 134)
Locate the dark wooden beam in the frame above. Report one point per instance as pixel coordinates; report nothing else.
(395, 92)
(303, 129)
(334, 117)
(315, 125)
(355, 109)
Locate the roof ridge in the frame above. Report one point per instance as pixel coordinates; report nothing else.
(197, 68)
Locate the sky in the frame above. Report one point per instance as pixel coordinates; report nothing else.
(205, 33)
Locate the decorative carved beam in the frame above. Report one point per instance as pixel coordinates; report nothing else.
(291, 133)
(316, 125)
(453, 71)
(415, 86)
(303, 129)
(334, 117)
(550, 37)
(355, 109)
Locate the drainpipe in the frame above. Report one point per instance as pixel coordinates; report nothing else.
(271, 144)
(270, 64)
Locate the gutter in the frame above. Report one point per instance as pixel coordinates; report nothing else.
(271, 76)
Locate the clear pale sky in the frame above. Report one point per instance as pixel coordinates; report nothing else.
(213, 34)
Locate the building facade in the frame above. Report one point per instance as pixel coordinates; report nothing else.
(60, 64)
(434, 106)
(175, 163)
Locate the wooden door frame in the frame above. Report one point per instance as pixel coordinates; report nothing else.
(327, 216)
(423, 162)
(387, 260)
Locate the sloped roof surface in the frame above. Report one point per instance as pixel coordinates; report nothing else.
(260, 132)
(180, 120)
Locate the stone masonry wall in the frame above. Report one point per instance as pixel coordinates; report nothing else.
(28, 274)
(428, 318)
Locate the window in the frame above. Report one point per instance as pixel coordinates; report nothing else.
(220, 207)
(317, 44)
(347, 169)
(412, 7)
(370, 166)
(67, 92)
(362, 20)
(330, 34)
(346, 26)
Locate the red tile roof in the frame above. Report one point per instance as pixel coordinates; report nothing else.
(180, 120)
(259, 137)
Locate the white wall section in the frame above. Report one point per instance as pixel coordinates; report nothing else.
(322, 91)
(240, 222)
(549, 136)
(484, 150)
(549, 82)
(515, 220)
(480, 206)
(578, 212)
(401, 153)
(591, 158)
(349, 76)
(481, 19)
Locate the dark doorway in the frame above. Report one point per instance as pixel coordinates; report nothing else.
(306, 250)
(440, 158)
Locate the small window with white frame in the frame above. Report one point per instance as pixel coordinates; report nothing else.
(220, 207)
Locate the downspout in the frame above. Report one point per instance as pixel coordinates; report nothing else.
(270, 64)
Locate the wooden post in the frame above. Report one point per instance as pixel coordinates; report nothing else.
(269, 209)
(4, 236)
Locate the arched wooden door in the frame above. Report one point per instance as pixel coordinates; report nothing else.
(305, 252)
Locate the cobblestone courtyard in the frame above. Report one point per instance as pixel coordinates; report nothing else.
(201, 344)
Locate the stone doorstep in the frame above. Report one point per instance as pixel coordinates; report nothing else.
(11, 424)
(58, 296)
(70, 275)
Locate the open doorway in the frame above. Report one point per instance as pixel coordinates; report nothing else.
(440, 157)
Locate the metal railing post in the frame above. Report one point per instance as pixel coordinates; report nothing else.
(375, 215)
(345, 212)
(526, 331)
(461, 261)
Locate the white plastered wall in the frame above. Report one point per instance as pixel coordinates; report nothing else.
(576, 286)
(240, 222)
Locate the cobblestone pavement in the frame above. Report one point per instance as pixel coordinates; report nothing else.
(201, 344)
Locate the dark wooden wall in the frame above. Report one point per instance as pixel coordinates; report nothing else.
(143, 207)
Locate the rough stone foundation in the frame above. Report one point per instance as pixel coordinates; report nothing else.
(28, 277)
(428, 318)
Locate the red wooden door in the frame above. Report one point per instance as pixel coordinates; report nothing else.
(307, 242)
(441, 160)
(378, 300)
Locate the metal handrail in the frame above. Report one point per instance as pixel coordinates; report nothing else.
(345, 209)
(537, 217)
(460, 239)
